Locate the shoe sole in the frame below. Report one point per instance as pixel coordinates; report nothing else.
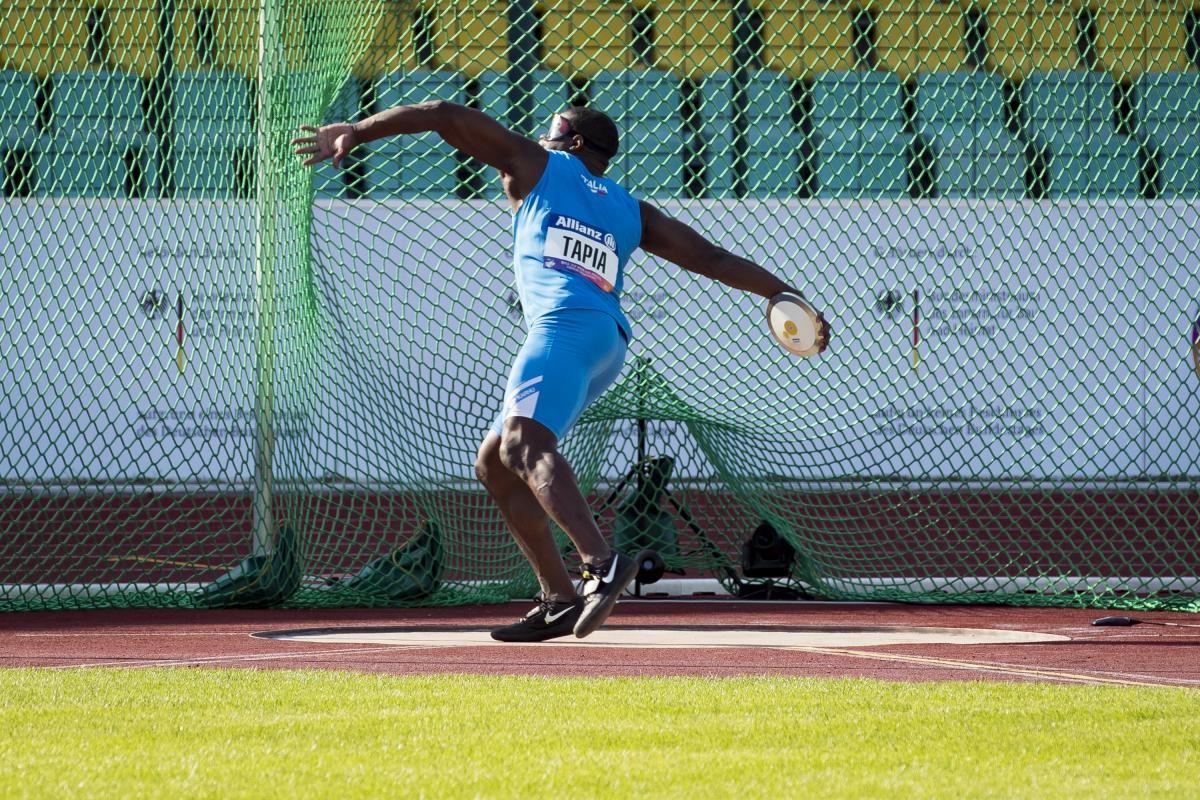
(561, 629)
(588, 623)
(534, 639)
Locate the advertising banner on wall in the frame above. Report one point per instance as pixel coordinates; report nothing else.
(974, 340)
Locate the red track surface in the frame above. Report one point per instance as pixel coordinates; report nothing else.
(1140, 655)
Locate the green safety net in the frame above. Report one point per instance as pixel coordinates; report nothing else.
(230, 380)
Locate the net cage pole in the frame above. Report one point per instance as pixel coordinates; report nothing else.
(267, 208)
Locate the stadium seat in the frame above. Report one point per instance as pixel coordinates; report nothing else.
(423, 165)
(860, 143)
(19, 137)
(759, 111)
(645, 104)
(540, 94)
(959, 116)
(1134, 37)
(18, 109)
(1027, 36)
(694, 40)
(1069, 117)
(210, 134)
(1167, 120)
(42, 38)
(651, 173)
(547, 94)
(96, 102)
(90, 167)
(100, 145)
(915, 36)
(472, 37)
(583, 37)
(636, 95)
(234, 40)
(803, 38)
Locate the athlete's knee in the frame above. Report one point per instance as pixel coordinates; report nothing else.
(488, 467)
(522, 450)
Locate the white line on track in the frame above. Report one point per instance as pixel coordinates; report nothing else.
(130, 634)
(185, 662)
(1091, 677)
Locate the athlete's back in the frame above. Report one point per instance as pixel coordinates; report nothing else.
(573, 235)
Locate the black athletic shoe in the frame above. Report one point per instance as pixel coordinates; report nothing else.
(548, 620)
(603, 584)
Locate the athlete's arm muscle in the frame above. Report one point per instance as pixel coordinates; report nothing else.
(519, 160)
(678, 243)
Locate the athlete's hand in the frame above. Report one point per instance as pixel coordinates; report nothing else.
(329, 141)
(823, 332)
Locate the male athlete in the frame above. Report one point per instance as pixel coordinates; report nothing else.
(574, 231)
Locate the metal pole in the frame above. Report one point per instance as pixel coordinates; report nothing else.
(266, 213)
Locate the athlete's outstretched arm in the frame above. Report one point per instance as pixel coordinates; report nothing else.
(472, 132)
(678, 243)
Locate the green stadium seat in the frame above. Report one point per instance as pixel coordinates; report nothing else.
(207, 165)
(210, 134)
(1069, 117)
(220, 97)
(650, 162)
(422, 165)
(959, 98)
(1175, 145)
(650, 173)
(100, 146)
(759, 105)
(775, 172)
(998, 165)
(883, 160)
(836, 150)
(18, 110)
(998, 174)
(1167, 120)
(959, 116)
(636, 95)
(82, 102)
(85, 166)
(548, 93)
(860, 144)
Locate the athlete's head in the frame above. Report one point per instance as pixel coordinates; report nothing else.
(579, 128)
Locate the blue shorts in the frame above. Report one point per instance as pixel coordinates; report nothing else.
(569, 358)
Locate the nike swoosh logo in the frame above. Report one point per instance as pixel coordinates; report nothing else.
(552, 617)
(612, 571)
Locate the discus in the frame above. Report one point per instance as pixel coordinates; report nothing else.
(794, 324)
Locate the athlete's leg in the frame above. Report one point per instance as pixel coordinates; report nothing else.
(529, 450)
(526, 520)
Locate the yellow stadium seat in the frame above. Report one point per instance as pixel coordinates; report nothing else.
(584, 38)
(472, 37)
(234, 34)
(805, 37)
(391, 45)
(694, 40)
(1031, 36)
(43, 38)
(1136, 36)
(133, 35)
(917, 36)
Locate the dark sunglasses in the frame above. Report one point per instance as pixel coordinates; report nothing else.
(560, 130)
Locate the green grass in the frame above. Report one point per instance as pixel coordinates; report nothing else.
(192, 733)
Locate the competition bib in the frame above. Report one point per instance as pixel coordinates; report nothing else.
(572, 246)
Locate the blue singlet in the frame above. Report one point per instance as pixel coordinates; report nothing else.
(573, 236)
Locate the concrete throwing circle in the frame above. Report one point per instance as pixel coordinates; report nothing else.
(775, 636)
